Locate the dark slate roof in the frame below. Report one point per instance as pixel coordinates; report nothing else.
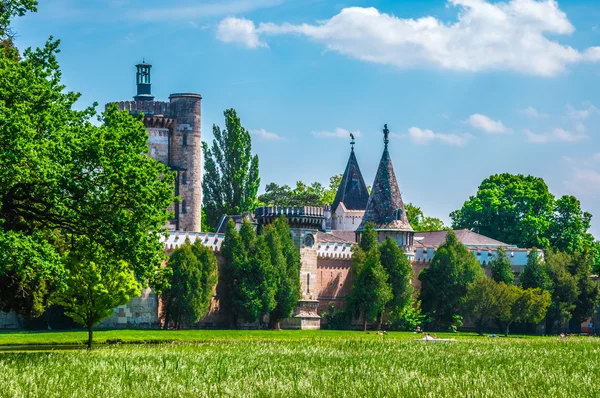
(352, 190)
(385, 199)
(465, 236)
(337, 236)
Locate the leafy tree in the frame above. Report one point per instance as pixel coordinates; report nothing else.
(535, 274)
(481, 303)
(231, 179)
(516, 304)
(96, 283)
(302, 195)
(399, 270)
(501, 267)
(564, 290)
(445, 282)
(370, 289)
(568, 231)
(236, 257)
(191, 285)
(409, 318)
(520, 210)
(329, 194)
(8, 10)
(285, 260)
(420, 223)
(59, 172)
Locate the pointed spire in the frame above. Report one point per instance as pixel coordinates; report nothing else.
(385, 207)
(352, 190)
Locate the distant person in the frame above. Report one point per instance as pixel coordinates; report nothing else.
(591, 325)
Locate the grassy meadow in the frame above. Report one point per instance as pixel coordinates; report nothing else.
(297, 363)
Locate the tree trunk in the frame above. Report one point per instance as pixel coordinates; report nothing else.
(506, 329)
(365, 323)
(379, 316)
(90, 336)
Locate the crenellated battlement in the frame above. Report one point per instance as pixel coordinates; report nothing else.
(145, 107)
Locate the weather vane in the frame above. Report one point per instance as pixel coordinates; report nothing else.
(352, 140)
(386, 132)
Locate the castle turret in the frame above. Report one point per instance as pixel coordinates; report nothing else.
(350, 201)
(174, 139)
(385, 207)
(142, 79)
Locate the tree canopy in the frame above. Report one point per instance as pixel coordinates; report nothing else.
(421, 223)
(520, 210)
(194, 273)
(445, 282)
(231, 180)
(501, 267)
(303, 194)
(62, 175)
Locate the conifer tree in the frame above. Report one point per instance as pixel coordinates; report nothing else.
(285, 260)
(445, 282)
(400, 273)
(501, 267)
(563, 289)
(231, 181)
(370, 289)
(534, 273)
(589, 290)
(236, 257)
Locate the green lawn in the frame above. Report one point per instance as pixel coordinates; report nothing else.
(294, 363)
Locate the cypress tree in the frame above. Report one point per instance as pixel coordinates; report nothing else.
(400, 272)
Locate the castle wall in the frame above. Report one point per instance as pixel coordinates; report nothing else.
(158, 143)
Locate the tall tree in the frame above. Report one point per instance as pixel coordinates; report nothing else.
(516, 304)
(400, 274)
(588, 298)
(520, 210)
(501, 267)
(445, 282)
(420, 223)
(61, 172)
(236, 256)
(564, 290)
(191, 284)
(285, 260)
(96, 283)
(231, 179)
(370, 289)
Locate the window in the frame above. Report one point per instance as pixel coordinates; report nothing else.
(183, 177)
(183, 207)
(398, 214)
(184, 139)
(307, 283)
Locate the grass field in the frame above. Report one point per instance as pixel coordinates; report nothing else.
(290, 364)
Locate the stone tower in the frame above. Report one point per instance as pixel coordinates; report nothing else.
(304, 224)
(351, 198)
(385, 207)
(174, 139)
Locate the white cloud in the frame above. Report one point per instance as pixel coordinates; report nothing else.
(201, 9)
(239, 30)
(532, 112)
(337, 133)
(266, 135)
(425, 136)
(508, 35)
(582, 114)
(484, 123)
(556, 135)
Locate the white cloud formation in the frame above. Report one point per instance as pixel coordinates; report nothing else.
(337, 133)
(486, 124)
(581, 114)
(266, 135)
(509, 35)
(556, 135)
(239, 30)
(425, 136)
(585, 175)
(201, 9)
(532, 112)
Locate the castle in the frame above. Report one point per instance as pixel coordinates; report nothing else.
(323, 236)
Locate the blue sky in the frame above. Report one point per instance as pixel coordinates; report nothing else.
(469, 88)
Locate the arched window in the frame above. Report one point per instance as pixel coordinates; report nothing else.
(183, 207)
(398, 214)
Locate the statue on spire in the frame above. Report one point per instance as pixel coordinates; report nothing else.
(386, 132)
(352, 140)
